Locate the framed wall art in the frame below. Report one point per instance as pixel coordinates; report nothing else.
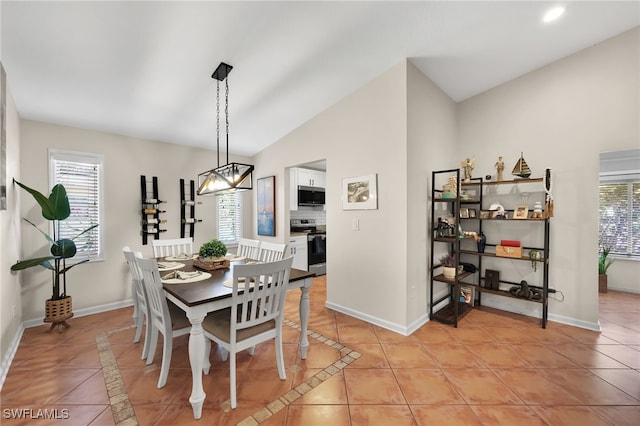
(360, 193)
(267, 206)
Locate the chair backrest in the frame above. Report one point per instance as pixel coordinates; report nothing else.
(172, 247)
(266, 301)
(248, 248)
(158, 308)
(136, 276)
(270, 252)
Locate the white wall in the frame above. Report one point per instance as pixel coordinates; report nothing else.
(362, 134)
(432, 143)
(562, 116)
(10, 308)
(104, 283)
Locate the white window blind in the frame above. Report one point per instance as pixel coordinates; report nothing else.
(620, 217)
(82, 175)
(229, 217)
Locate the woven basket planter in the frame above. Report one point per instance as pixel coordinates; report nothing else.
(58, 311)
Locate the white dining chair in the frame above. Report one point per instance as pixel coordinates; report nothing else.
(270, 252)
(140, 305)
(164, 317)
(254, 316)
(248, 248)
(172, 247)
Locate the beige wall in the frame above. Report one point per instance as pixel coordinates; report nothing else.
(562, 116)
(362, 134)
(10, 291)
(125, 159)
(432, 143)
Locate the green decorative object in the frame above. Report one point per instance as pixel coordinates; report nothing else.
(213, 248)
(56, 209)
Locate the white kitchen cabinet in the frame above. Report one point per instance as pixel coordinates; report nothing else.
(304, 177)
(298, 249)
(309, 177)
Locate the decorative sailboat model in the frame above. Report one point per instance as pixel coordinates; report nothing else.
(521, 168)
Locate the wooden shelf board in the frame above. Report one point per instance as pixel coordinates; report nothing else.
(503, 293)
(504, 182)
(447, 314)
(475, 253)
(442, 279)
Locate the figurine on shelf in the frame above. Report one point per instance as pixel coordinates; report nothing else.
(467, 166)
(499, 168)
(537, 210)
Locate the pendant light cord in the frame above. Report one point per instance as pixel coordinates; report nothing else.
(226, 112)
(218, 121)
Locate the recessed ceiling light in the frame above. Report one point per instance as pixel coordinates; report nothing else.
(553, 14)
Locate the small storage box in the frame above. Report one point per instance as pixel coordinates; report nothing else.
(506, 251)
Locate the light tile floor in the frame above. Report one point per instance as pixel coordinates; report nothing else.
(495, 369)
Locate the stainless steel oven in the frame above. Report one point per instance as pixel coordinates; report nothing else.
(317, 249)
(316, 244)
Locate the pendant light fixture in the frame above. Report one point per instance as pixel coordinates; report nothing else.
(232, 176)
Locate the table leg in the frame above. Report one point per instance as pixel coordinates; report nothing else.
(304, 317)
(196, 359)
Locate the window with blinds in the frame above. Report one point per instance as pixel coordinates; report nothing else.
(229, 217)
(82, 176)
(619, 223)
(620, 217)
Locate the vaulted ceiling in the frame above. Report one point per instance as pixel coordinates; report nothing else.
(143, 69)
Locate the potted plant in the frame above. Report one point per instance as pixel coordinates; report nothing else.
(55, 208)
(212, 250)
(604, 262)
(448, 262)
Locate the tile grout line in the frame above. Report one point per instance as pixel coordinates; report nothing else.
(124, 414)
(348, 356)
(121, 408)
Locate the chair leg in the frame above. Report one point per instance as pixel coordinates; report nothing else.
(280, 357)
(232, 380)
(207, 353)
(166, 359)
(138, 321)
(224, 354)
(152, 344)
(147, 338)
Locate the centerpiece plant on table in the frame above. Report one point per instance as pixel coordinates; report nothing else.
(213, 249)
(56, 209)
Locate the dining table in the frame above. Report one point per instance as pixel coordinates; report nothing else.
(199, 296)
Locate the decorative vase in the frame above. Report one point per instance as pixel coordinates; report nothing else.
(448, 272)
(603, 284)
(482, 242)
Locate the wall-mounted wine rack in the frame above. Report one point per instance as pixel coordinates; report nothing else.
(150, 209)
(188, 210)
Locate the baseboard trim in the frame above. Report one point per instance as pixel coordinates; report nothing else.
(370, 319)
(86, 311)
(8, 358)
(625, 290)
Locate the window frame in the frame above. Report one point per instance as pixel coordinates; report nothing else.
(83, 158)
(238, 200)
(630, 179)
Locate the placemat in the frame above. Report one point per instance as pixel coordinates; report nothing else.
(169, 266)
(181, 277)
(182, 256)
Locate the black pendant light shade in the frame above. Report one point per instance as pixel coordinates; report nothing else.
(232, 176)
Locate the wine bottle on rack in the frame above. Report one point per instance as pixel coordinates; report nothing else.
(153, 221)
(152, 201)
(191, 220)
(191, 202)
(153, 211)
(154, 230)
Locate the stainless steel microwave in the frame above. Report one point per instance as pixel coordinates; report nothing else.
(310, 196)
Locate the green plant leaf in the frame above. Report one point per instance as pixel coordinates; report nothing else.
(64, 248)
(30, 263)
(41, 231)
(60, 202)
(48, 210)
(86, 230)
(63, 271)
